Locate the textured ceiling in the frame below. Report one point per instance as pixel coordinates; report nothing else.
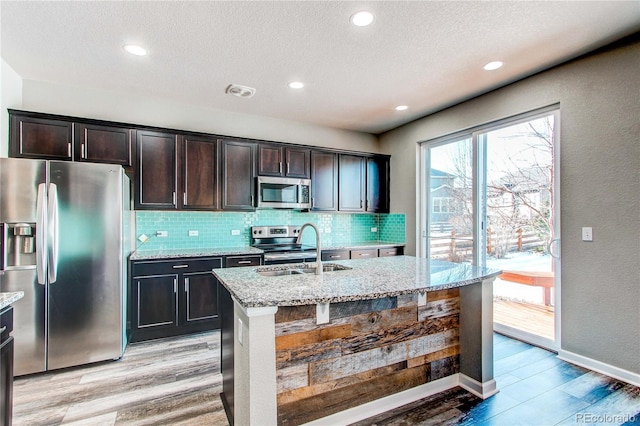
(427, 54)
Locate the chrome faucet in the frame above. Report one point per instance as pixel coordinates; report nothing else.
(318, 248)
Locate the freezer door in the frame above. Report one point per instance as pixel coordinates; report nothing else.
(86, 290)
(19, 182)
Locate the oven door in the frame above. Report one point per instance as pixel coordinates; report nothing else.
(280, 258)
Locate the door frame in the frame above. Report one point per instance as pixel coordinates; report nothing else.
(479, 164)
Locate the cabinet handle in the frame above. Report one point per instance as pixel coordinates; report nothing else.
(175, 285)
(244, 262)
(3, 329)
(82, 153)
(174, 198)
(313, 202)
(288, 167)
(252, 200)
(280, 167)
(368, 204)
(363, 254)
(69, 149)
(186, 285)
(335, 256)
(184, 198)
(360, 203)
(180, 266)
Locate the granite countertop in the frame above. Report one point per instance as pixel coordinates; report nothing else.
(8, 298)
(199, 252)
(369, 279)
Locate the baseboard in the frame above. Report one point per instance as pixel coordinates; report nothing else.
(482, 390)
(387, 403)
(600, 367)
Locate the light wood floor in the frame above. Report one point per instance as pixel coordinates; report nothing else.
(169, 382)
(177, 382)
(529, 317)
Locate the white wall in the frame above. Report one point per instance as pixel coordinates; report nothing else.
(10, 97)
(599, 100)
(42, 96)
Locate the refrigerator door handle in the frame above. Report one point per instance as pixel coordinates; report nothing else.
(53, 233)
(41, 234)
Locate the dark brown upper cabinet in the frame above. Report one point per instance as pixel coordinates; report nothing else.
(378, 168)
(324, 181)
(44, 138)
(278, 160)
(102, 144)
(352, 185)
(156, 178)
(238, 174)
(200, 173)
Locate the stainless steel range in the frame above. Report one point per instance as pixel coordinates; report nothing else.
(279, 244)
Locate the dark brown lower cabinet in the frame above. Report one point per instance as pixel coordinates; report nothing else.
(6, 366)
(170, 298)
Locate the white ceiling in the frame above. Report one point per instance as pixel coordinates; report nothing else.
(424, 54)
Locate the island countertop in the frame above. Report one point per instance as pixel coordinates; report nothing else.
(368, 279)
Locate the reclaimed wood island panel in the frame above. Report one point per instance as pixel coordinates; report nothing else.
(325, 348)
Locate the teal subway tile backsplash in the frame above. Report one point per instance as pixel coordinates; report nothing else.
(216, 229)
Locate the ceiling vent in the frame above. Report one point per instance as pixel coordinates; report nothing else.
(240, 91)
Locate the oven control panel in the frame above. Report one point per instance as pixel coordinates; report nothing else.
(274, 231)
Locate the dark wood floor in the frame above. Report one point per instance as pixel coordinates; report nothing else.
(177, 382)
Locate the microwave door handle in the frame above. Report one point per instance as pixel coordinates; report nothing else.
(41, 234)
(53, 233)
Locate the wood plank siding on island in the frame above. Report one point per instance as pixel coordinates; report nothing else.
(306, 348)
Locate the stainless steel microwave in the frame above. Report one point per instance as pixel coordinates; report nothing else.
(284, 193)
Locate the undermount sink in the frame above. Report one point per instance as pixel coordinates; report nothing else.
(307, 269)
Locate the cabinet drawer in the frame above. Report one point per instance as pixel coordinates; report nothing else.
(335, 254)
(238, 261)
(364, 254)
(391, 251)
(6, 323)
(175, 266)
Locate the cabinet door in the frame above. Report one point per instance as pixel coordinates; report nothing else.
(201, 297)
(238, 175)
(335, 255)
(156, 178)
(155, 300)
(6, 381)
(270, 160)
(200, 173)
(240, 261)
(378, 185)
(324, 181)
(297, 163)
(351, 190)
(101, 144)
(40, 138)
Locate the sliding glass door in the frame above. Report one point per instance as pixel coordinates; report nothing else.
(490, 197)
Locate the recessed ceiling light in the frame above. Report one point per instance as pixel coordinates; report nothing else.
(296, 85)
(402, 108)
(134, 49)
(362, 19)
(493, 65)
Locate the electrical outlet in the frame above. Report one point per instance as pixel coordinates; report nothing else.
(235, 232)
(374, 229)
(587, 233)
(193, 233)
(162, 233)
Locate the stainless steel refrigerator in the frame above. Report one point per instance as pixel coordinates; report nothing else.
(65, 240)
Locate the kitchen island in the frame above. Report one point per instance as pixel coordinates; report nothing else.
(366, 337)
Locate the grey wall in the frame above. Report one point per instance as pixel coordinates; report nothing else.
(599, 100)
